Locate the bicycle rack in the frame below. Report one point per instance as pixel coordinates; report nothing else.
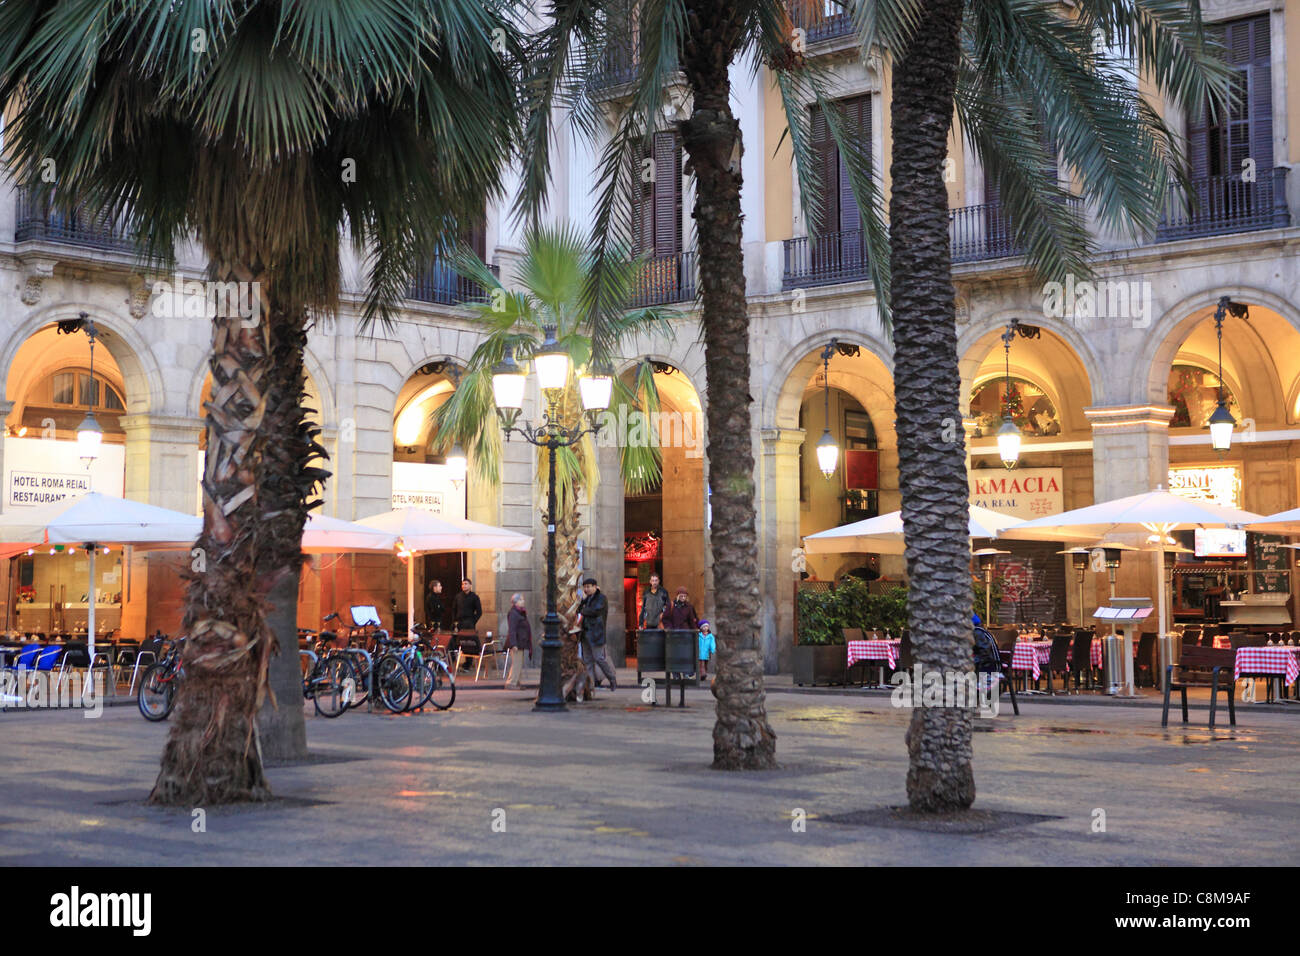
(311, 654)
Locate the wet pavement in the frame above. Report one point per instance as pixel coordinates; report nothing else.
(619, 782)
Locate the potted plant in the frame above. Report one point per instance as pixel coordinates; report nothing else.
(819, 654)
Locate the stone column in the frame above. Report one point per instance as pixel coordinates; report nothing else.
(778, 535)
(1130, 455)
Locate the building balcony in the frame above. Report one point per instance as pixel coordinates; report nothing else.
(1218, 205)
(664, 280)
(821, 19)
(443, 285)
(618, 66)
(38, 220)
(985, 231)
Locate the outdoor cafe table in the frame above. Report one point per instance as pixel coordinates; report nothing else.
(875, 650)
(1035, 655)
(1278, 659)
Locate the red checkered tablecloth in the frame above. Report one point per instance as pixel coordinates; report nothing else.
(1269, 660)
(1034, 655)
(877, 650)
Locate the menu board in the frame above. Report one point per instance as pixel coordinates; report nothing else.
(1268, 556)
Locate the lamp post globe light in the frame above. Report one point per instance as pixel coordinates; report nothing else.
(595, 387)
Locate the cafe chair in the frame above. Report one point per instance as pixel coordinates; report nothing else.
(491, 648)
(76, 657)
(1059, 661)
(148, 653)
(1144, 663)
(1081, 660)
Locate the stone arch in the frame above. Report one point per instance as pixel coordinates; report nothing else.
(1166, 336)
(982, 334)
(142, 377)
(790, 376)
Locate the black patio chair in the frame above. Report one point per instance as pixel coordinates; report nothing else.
(1081, 659)
(1059, 661)
(1145, 663)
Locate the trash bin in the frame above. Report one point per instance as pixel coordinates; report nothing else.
(1113, 651)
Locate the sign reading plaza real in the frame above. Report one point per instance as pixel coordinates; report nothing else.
(1022, 492)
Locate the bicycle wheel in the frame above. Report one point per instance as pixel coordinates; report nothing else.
(360, 691)
(422, 683)
(393, 683)
(157, 692)
(333, 686)
(443, 694)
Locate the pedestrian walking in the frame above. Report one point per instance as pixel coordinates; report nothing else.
(591, 618)
(653, 604)
(519, 640)
(681, 615)
(708, 647)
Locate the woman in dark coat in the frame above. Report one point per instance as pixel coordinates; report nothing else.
(519, 640)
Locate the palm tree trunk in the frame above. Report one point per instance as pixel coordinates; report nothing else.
(288, 482)
(212, 754)
(931, 442)
(742, 737)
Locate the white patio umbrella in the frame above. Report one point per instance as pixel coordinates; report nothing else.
(1284, 522)
(96, 520)
(423, 532)
(883, 534)
(325, 535)
(1155, 512)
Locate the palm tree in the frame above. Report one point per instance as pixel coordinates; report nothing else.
(1016, 72)
(264, 129)
(553, 274)
(1011, 69)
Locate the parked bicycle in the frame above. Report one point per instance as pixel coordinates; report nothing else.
(157, 694)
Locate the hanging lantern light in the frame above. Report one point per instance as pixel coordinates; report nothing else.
(1008, 435)
(828, 450)
(1221, 421)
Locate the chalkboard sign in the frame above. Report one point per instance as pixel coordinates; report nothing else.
(1268, 556)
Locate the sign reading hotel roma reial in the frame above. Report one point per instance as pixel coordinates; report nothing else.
(1021, 492)
(427, 486)
(41, 471)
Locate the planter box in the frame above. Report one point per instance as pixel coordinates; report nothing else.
(820, 664)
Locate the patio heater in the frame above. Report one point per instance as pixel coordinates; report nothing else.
(988, 558)
(1079, 561)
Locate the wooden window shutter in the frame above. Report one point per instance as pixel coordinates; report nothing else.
(826, 160)
(857, 116)
(643, 235)
(667, 194)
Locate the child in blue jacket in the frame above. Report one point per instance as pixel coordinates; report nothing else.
(707, 648)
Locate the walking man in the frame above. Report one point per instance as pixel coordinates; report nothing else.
(519, 640)
(591, 618)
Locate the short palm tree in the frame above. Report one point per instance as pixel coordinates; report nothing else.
(265, 129)
(553, 276)
(1012, 69)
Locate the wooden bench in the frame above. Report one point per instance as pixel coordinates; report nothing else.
(1198, 660)
(672, 653)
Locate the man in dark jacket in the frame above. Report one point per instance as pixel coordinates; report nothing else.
(433, 606)
(592, 613)
(465, 611)
(653, 604)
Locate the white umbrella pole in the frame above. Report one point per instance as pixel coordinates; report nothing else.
(410, 592)
(90, 608)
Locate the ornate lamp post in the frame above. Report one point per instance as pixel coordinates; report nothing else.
(596, 388)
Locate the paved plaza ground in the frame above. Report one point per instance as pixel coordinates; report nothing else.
(617, 782)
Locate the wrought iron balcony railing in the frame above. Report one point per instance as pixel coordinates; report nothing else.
(664, 280)
(821, 19)
(1217, 205)
(38, 219)
(443, 285)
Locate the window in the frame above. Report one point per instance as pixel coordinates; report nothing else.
(88, 391)
(1218, 147)
(64, 383)
(837, 209)
(1029, 407)
(657, 201)
(1194, 393)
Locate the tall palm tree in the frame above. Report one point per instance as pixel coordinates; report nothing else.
(553, 274)
(1012, 70)
(265, 128)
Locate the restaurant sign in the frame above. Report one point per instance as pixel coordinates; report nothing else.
(1021, 492)
(420, 485)
(1220, 484)
(42, 471)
